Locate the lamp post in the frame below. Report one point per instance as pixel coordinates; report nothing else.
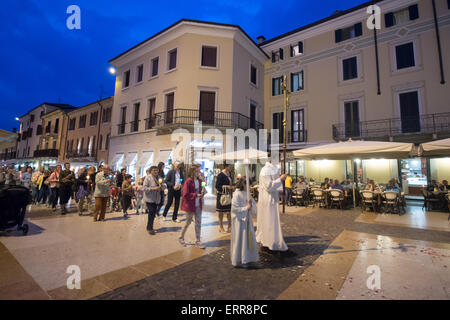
(286, 93)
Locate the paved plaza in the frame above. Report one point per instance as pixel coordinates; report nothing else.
(330, 253)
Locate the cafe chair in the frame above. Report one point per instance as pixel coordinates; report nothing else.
(368, 200)
(391, 202)
(337, 198)
(429, 201)
(318, 197)
(298, 197)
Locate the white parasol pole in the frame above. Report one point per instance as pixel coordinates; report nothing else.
(249, 216)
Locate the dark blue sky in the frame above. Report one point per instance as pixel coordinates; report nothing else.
(41, 60)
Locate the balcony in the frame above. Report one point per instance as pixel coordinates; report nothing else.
(81, 155)
(134, 126)
(121, 128)
(7, 156)
(300, 136)
(50, 153)
(150, 123)
(167, 121)
(403, 129)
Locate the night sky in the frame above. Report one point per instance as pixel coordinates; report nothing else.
(42, 60)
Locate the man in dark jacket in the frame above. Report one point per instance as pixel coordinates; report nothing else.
(67, 180)
(174, 181)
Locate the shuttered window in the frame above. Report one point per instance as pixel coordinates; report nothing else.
(405, 56)
(209, 56)
(348, 33)
(350, 68)
(401, 16)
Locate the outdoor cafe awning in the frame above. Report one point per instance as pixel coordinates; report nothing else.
(250, 154)
(145, 158)
(435, 148)
(350, 150)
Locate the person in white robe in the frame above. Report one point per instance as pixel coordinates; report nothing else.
(244, 249)
(268, 232)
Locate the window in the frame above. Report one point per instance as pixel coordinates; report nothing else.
(126, 79)
(135, 123)
(349, 68)
(47, 129)
(39, 130)
(32, 118)
(297, 81)
(107, 142)
(277, 124)
(139, 73)
(410, 111)
(151, 114)
(93, 118)
(253, 116)
(172, 59)
(277, 55)
(401, 16)
(297, 49)
(348, 33)
(107, 114)
(405, 56)
(297, 126)
(82, 122)
(170, 101)
(277, 88)
(100, 143)
(209, 56)
(123, 118)
(54, 145)
(207, 107)
(55, 130)
(155, 65)
(72, 124)
(351, 111)
(253, 75)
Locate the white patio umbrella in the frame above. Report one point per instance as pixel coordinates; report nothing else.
(351, 150)
(435, 148)
(247, 156)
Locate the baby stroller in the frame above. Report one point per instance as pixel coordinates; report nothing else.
(13, 205)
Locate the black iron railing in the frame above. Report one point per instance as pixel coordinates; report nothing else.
(134, 126)
(121, 128)
(46, 153)
(7, 156)
(212, 118)
(427, 123)
(81, 154)
(300, 136)
(150, 123)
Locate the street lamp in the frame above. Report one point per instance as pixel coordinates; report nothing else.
(112, 70)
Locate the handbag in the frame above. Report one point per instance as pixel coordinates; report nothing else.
(81, 193)
(225, 197)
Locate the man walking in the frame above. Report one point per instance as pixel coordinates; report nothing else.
(103, 184)
(67, 178)
(174, 181)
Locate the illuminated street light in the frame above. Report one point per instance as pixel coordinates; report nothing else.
(112, 70)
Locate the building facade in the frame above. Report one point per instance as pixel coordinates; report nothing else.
(348, 81)
(31, 130)
(88, 134)
(51, 148)
(192, 71)
(8, 145)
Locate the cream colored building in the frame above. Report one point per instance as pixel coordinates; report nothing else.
(191, 71)
(339, 93)
(31, 130)
(53, 137)
(88, 134)
(8, 144)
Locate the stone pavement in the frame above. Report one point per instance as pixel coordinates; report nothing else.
(330, 251)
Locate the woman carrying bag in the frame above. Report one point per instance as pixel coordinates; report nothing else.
(224, 188)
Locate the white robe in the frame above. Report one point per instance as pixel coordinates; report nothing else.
(242, 223)
(268, 231)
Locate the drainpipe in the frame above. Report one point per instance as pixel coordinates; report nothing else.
(438, 39)
(98, 131)
(377, 61)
